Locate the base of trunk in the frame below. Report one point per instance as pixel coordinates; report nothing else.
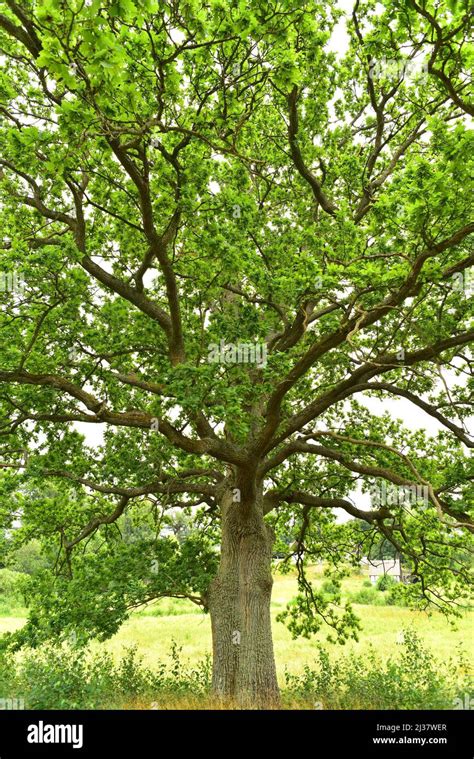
(239, 601)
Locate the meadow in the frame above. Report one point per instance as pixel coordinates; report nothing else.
(177, 632)
(153, 629)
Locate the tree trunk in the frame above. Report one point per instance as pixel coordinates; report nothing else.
(239, 603)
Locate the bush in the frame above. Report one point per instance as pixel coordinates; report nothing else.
(414, 680)
(385, 582)
(368, 596)
(329, 588)
(71, 677)
(65, 678)
(10, 583)
(167, 607)
(8, 677)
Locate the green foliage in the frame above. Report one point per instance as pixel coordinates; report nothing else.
(107, 582)
(413, 679)
(10, 584)
(380, 548)
(76, 678)
(304, 615)
(28, 558)
(11, 591)
(368, 596)
(385, 582)
(330, 588)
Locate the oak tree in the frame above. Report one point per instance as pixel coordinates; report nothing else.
(231, 248)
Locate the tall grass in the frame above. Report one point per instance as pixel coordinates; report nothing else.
(77, 678)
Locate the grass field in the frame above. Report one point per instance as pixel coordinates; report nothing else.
(153, 629)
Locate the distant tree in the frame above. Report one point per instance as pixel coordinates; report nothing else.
(28, 558)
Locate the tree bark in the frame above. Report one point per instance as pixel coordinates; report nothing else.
(239, 603)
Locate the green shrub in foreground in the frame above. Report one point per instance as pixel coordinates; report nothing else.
(413, 679)
(69, 677)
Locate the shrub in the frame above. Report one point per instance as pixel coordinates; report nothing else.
(8, 677)
(72, 677)
(167, 607)
(413, 680)
(368, 596)
(385, 582)
(329, 588)
(64, 678)
(69, 677)
(10, 583)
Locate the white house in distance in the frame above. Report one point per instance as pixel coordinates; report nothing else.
(380, 567)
